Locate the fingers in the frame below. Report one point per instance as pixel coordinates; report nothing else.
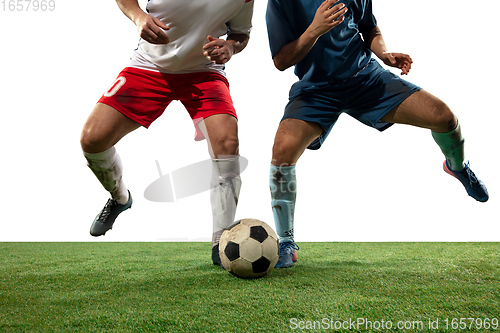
(151, 29)
(211, 52)
(327, 17)
(213, 42)
(339, 15)
(403, 57)
(327, 4)
(160, 23)
(336, 13)
(405, 69)
(216, 50)
(157, 35)
(330, 10)
(398, 60)
(404, 62)
(217, 56)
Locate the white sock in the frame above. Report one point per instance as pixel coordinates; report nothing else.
(225, 186)
(107, 167)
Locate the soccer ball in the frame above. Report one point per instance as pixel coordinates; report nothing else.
(249, 248)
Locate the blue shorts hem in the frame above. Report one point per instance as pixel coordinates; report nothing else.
(368, 97)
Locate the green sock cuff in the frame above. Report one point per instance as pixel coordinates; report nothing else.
(456, 130)
(452, 146)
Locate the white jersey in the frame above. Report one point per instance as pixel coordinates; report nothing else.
(190, 23)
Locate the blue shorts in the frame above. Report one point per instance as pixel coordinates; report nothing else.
(367, 97)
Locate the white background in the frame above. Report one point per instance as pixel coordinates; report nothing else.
(360, 186)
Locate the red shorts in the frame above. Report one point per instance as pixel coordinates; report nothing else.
(143, 95)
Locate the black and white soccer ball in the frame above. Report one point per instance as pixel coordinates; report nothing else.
(249, 248)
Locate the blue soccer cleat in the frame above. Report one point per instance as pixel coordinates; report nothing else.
(288, 254)
(474, 187)
(105, 219)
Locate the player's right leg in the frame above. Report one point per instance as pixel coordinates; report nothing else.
(292, 138)
(221, 133)
(103, 129)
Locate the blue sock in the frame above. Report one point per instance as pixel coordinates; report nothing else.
(283, 186)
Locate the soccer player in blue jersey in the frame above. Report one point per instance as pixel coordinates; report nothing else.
(330, 43)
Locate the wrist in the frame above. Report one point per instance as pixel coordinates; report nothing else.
(312, 34)
(384, 55)
(136, 15)
(231, 47)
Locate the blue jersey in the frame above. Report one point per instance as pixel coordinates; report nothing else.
(337, 55)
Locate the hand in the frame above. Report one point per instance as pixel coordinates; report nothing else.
(327, 17)
(398, 60)
(219, 51)
(150, 29)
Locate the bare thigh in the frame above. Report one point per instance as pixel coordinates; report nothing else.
(104, 128)
(292, 138)
(425, 110)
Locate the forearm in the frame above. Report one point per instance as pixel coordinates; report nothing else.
(375, 42)
(238, 42)
(292, 53)
(130, 8)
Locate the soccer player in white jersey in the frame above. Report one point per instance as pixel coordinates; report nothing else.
(180, 57)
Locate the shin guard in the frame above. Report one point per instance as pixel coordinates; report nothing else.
(107, 167)
(225, 188)
(452, 146)
(283, 186)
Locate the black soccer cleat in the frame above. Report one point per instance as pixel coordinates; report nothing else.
(105, 219)
(216, 256)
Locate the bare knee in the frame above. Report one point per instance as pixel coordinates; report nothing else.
(292, 139)
(227, 145)
(284, 152)
(90, 142)
(444, 119)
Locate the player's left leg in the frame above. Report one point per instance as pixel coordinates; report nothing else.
(221, 132)
(427, 111)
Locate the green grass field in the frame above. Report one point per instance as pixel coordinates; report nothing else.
(173, 287)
